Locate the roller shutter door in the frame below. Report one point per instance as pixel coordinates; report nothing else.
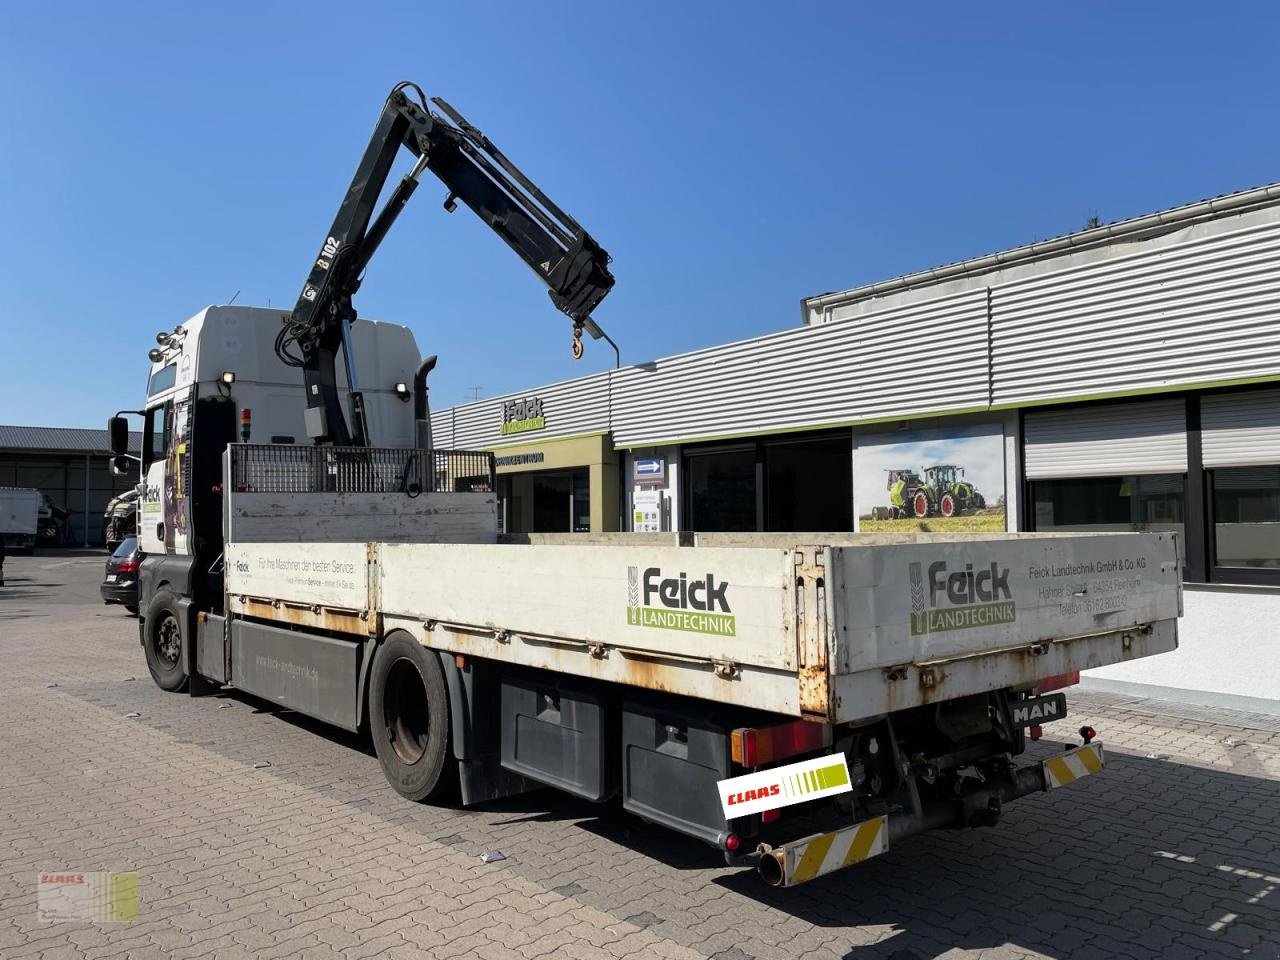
(1241, 429)
(1106, 441)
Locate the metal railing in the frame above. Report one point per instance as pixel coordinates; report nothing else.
(285, 468)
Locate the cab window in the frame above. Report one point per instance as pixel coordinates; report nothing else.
(162, 379)
(155, 433)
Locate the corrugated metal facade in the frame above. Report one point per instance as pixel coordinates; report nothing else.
(1192, 307)
(1125, 438)
(1241, 429)
(924, 357)
(571, 408)
(1201, 311)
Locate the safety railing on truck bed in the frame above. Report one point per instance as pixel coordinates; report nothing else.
(285, 468)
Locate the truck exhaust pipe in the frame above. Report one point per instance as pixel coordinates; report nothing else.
(421, 409)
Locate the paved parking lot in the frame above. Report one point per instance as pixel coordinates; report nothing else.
(1173, 852)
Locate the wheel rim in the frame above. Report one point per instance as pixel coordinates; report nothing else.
(921, 505)
(168, 646)
(948, 506)
(404, 711)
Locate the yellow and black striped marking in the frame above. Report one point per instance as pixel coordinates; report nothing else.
(827, 852)
(1060, 771)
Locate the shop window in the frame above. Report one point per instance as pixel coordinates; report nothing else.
(721, 490)
(1107, 504)
(581, 509)
(809, 485)
(1246, 516)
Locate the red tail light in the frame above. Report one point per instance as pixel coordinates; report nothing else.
(770, 816)
(1058, 682)
(754, 746)
(127, 566)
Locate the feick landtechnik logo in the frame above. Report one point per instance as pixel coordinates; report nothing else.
(697, 605)
(959, 599)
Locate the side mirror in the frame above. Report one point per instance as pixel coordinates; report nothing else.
(118, 430)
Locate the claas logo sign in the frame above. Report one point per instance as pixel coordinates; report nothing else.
(784, 786)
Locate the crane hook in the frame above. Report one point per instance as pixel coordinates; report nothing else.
(577, 339)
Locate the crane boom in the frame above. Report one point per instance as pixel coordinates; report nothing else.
(574, 268)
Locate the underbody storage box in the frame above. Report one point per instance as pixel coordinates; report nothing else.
(556, 732)
(672, 758)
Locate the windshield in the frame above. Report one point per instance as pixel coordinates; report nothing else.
(127, 546)
(162, 379)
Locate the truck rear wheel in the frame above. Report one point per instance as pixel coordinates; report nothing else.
(162, 642)
(409, 718)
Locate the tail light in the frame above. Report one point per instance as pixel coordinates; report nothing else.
(770, 816)
(128, 566)
(753, 746)
(1058, 682)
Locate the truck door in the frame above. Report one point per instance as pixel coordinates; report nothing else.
(166, 477)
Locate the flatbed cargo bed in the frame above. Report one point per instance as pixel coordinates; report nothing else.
(835, 627)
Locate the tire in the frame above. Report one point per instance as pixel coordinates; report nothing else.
(409, 719)
(947, 505)
(132, 608)
(920, 504)
(162, 642)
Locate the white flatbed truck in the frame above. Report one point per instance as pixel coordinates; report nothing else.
(367, 586)
(19, 515)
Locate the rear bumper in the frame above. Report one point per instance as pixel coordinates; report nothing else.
(803, 860)
(126, 593)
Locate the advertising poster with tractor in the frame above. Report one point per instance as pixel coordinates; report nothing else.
(931, 480)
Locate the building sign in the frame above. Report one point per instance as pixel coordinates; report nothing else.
(519, 459)
(647, 512)
(522, 416)
(649, 471)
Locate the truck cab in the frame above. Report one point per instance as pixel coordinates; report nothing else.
(215, 379)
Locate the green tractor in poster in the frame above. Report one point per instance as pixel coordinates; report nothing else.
(950, 494)
(940, 493)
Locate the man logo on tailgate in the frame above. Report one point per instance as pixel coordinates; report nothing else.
(698, 605)
(960, 599)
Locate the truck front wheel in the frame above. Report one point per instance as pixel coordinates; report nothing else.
(162, 642)
(409, 718)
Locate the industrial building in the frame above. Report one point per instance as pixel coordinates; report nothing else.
(71, 467)
(1123, 377)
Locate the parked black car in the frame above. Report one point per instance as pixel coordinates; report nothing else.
(120, 585)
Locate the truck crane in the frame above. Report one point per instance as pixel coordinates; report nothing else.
(565, 257)
(708, 681)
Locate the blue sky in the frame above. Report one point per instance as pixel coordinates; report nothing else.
(733, 157)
